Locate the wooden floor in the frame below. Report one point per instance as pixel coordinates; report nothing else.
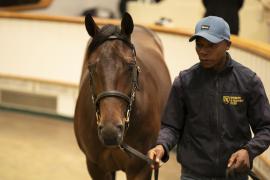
(33, 147)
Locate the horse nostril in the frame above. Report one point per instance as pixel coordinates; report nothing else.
(100, 127)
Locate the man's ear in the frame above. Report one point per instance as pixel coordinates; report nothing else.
(229, 43)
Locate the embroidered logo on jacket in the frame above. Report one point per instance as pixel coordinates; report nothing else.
(232, 100)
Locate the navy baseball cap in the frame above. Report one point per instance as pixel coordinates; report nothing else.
(212, 28)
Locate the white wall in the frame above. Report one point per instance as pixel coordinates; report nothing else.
(76, 7)
(43, 50)
(252, 24)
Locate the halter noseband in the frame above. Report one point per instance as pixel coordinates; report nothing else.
(113, 93)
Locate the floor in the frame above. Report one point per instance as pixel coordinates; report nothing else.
(41, 148)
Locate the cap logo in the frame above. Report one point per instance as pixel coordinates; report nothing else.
(205, 27)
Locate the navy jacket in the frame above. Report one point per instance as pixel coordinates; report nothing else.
(209, 115)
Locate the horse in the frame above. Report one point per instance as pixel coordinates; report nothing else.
(123, 90)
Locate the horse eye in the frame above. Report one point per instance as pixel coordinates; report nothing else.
(130, 66)
(91, 66)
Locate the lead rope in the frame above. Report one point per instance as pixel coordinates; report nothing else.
(126, 148)
(253, 175)
(234, 175)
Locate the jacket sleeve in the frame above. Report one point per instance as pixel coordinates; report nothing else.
(172, 119)
(205, 3)
(259, 117)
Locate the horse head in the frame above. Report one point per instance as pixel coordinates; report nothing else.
(113, 77)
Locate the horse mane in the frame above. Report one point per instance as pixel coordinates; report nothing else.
(104, 33)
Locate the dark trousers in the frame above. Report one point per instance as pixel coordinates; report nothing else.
(187, 175)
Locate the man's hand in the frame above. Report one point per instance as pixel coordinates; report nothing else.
(156, 154)
(238, 163)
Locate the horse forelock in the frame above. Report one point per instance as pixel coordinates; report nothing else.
(104, 34)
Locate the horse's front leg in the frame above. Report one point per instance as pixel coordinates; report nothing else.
(139, 173)
(97, 173)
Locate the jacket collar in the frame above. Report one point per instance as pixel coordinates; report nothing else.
(228, 66)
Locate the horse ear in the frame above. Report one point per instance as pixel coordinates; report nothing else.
(127, 24)
(91, 26)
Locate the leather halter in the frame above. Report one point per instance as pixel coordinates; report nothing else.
(113, 93)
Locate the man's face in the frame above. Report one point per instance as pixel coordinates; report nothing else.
(211, 55)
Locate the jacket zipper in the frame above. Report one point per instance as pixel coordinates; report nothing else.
(217, 120)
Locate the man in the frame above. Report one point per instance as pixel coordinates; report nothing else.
(226, 9)
(210, 110)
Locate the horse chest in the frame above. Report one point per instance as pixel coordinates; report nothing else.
(113, 159)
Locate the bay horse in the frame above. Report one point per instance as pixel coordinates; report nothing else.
(123, 89)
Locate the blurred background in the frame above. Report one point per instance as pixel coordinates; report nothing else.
(253, 15)
(42, 44)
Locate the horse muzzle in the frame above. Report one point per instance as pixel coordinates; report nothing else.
(111, 135)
